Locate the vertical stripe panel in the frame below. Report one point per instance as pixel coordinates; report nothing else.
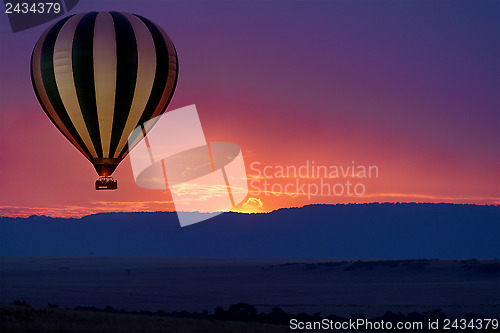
(50, 84)
(164, 64)
(173, 73)
(126, 76)
(146, 71)
(165, 76)
(83, 76)
(43, 98)
(63, 72)
(105, 76)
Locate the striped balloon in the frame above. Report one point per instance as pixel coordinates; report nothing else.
(100, 75)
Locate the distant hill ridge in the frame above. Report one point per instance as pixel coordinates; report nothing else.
(385, 230)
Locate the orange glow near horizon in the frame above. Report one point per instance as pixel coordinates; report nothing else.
(72, 195)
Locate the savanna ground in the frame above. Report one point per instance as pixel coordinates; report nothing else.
(137, 294)
(27, 319)
(338, 287)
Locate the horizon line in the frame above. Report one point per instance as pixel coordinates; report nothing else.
(254, 212)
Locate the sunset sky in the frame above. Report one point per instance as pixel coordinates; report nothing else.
(410, 87)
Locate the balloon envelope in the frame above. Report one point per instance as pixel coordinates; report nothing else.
(99, 75)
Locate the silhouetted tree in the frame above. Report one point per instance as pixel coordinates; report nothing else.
(242, 311)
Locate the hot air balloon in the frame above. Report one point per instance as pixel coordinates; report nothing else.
(98, 76)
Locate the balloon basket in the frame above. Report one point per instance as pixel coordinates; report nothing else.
(106, 183)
